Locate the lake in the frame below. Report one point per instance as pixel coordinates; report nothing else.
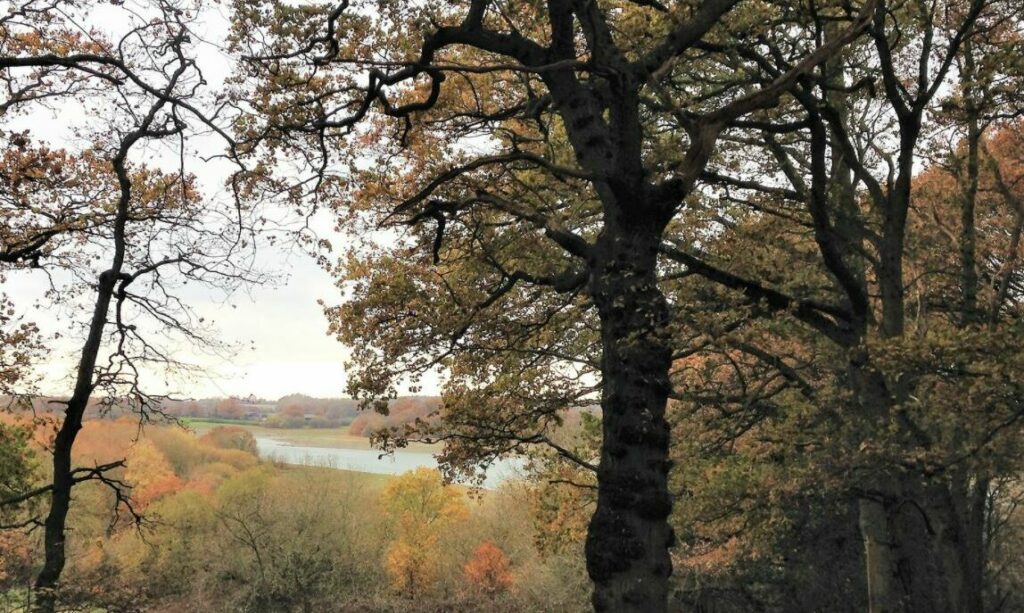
(370, 460)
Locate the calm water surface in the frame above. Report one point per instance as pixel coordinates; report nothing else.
(369, 460)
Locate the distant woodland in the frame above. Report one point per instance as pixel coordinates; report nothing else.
(210, 527)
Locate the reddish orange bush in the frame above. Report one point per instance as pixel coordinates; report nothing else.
(488, 570)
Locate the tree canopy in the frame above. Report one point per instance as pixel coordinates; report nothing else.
(742, 280)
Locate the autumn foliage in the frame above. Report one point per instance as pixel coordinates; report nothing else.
(422, 507)
(222, 529)
(488, 570)
(230, 437)
(400, 412)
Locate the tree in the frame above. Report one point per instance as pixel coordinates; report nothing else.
(488, 569)
(149, 474)
(421, 496)
(18, 471)
(230, 408)
(124, 232)
(294, 410)
(412, 565)
(481, 112)
(421, 506)
(846, 157)
(20, 346)
(231, 437)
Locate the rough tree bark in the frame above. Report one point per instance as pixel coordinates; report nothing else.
(629, 535)
(605, 105)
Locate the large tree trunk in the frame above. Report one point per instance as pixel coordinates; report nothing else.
(976, 516)
(912, 558)
(923, 547)
(919, 531)
(629, 535)
(879, 556)
(961, 507)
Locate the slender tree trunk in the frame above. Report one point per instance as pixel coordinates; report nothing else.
(629, 535)
(63, 479)
(952, 541)
(968, 232)
(54, 535)
(60, 501)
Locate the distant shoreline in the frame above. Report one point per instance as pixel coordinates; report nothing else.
(330, 438)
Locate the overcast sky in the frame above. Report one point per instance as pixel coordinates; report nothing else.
(280, 333)
(280, 329)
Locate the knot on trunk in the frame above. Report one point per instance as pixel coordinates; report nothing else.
(612, 545)
(644, 435)
(644, 495)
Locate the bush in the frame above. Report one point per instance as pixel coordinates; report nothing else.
(231, 437)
